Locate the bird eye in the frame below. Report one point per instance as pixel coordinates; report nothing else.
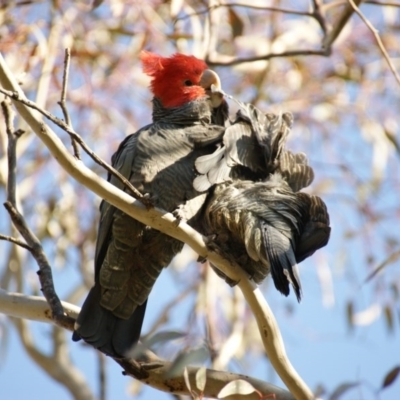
(188, 83)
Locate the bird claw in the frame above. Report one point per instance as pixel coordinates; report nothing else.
(178, 214)
(209, 239)
(201, 259)
(147, 200)
(214, 247)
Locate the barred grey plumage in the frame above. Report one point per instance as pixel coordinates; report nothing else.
(267, 228)
(159, 161)
(254, 207)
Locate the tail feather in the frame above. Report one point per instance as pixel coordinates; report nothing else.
(282, 260)
(103, 330)
(295, 170)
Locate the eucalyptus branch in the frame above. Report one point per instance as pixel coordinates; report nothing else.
(338, 25)
(214, 62)
(166, 223)
(318, 15)
(34, 308)
(383, 3)
(151, 369)
(33, 244)
(63, 101)
(15, 95)
(15, 241)
(249, 6)
(378, 40)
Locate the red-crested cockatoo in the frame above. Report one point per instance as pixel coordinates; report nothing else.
(254, 212)
(158, 160)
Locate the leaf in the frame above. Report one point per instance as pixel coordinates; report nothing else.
(350, 314)
(236, 23)
(238, 386)
(96, 3)
(198, 355)
(201, 378)
(158, 338)
(390, 260)
(343, 388)
(389, 318)
(186, 378)
(390, 377)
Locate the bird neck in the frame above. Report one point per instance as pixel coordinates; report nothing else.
(194, 112)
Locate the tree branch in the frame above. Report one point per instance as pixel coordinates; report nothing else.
(338, 25)
(15, 241)
(378, 40)
(45, 274)
(63, 101)
(213, 62)
(150, 370)
(78, 139)
(166, 223)
(34, 308)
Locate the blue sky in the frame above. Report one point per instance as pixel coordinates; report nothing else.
(322, 346)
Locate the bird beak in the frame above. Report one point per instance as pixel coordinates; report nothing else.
(212, 84)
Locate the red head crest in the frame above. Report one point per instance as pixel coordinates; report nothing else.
(176, 79)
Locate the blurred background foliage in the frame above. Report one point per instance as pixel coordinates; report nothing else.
(317, 59)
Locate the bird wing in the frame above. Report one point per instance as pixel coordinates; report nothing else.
(251, 148)
(96, 324)
(274, 226)
(122, 161)
(316, 231)
(295, 170)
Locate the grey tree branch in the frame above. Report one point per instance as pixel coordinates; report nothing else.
(63, 101)
(165, 223)
(150, 370)
(338, 25)
(15, 241)
(78, 139)
(45, 274)
(378, 40)
(34, 308)
(214, 62)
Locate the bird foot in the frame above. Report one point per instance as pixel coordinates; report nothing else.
(147, 200)
(178, 215)
(212, 245)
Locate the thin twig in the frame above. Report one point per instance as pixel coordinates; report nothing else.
(378, 40)
(338, 3)
(317, 14)
(18, 220)
(63, 100)
(338, 25)
(291, 53)
(136, 194)
(254, 7)
(12, 143)
(389, 260)
(15, 241)
(64, 87)
(101, 358)
(382, 3)
(45, 275)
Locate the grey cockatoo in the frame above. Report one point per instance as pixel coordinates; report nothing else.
(159, 161)
(254, 208)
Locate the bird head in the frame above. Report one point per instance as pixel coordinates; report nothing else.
(180, 79)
